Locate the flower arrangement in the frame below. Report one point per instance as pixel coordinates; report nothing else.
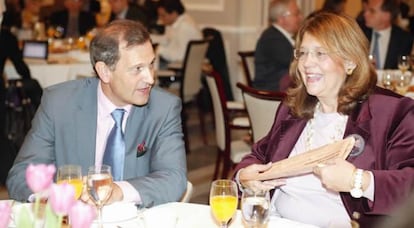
(61, 202)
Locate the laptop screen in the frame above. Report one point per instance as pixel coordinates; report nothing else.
(34, 49)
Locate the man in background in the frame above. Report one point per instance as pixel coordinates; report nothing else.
(274, 49)
(73, 20)
(121, 9)
(388, 41)
(180, 29)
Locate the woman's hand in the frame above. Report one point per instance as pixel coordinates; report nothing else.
(247, 177)
(336, 175)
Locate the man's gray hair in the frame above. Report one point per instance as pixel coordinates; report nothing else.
(278, 8)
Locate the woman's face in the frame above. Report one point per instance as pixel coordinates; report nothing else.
(322, 71)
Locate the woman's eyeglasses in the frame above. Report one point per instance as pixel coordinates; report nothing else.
(320, 55)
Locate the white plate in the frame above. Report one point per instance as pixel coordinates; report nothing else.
(118, 212)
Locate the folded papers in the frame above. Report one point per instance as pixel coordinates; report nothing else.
(305, 162)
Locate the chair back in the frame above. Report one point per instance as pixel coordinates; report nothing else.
(193, 61)
(214, 84)
(261, 107)
(247, 61)
(186, 197)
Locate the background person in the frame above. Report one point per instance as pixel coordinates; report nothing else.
(180, 29)
(380, 18)
(76, 130)
(274, 48)
(334, 95)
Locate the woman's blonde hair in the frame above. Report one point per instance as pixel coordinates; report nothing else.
(342, 35)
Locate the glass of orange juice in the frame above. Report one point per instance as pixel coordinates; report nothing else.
(223, 200)
(71, 174)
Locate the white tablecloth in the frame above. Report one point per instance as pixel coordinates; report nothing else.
(170, 215)
(64, 67)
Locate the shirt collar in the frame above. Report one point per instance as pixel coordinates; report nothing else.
(285, 33)
(105, 106)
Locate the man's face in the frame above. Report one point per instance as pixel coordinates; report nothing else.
(118, 5)
(375, 17)
(165, 17)
(133, 77)
(292, 19)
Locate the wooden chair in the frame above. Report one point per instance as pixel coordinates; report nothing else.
(261, 107)
(229, 152)
(247, 61)
(190, 83)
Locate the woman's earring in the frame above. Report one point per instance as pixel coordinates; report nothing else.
(349, 67)
(349, 71)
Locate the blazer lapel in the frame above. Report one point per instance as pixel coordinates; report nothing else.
(85, 121)
(289, 134)
(135, 135)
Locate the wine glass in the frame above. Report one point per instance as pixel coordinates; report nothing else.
(99, 186)
(71, 174)
(223, 200)
(402, 82)
(255, 207)
(388, 80)
(403, 63)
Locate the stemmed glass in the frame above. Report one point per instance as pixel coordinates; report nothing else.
(403, 63)
(99, 186)
(223, 200)
(71, 174)
(255, 207)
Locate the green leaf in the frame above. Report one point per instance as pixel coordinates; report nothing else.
(52, 220)
(25, 218)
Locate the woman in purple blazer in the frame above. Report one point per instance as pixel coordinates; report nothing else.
(334, 95)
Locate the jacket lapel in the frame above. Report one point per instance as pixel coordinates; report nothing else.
(85, 121)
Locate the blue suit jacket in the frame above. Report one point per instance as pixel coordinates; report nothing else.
(64, 132)
(385, 121)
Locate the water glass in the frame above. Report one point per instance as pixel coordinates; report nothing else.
(404, 63)
(402, 82)
(255, 206)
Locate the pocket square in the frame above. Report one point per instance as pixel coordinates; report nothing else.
(141, 149)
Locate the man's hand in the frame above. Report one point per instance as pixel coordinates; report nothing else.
(248, 175)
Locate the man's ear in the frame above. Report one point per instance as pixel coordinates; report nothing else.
(103, 71)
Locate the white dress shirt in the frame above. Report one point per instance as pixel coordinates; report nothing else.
(173, 44)
(104, 125)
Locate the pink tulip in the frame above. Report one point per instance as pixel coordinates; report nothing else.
(39, 177)
(5, 213)
(81, 215)
(61, 198)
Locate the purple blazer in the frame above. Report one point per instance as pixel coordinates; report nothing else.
(386, 122)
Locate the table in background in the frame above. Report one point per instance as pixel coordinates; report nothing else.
(58, 68)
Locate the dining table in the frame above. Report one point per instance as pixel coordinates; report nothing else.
(59, 67)
(169, 215)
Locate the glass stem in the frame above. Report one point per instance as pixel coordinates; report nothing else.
(100, 217)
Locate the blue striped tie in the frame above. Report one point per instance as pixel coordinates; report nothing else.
(114, 155)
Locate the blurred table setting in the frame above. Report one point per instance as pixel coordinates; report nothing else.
(59, 67)
(176, 214)
(397, 81)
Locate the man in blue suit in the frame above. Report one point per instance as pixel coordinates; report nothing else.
(274, 49)
(73, 122)
(380, 17)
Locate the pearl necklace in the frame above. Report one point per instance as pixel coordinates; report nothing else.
(339, 129)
